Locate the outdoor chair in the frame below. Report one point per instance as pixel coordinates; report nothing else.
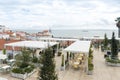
(0, 69)
(81, 66)
(76, 65)
(5, 68)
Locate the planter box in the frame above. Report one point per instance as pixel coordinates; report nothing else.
(90, 72)
(62, 68)
(66, 65)
(113, 64)
(22, 76)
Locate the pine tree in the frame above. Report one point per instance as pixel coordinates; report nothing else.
(105, 42)
(47, 71)
(114, 47)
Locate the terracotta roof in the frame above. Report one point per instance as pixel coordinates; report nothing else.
(3, 41)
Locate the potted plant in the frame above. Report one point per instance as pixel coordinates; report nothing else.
(90, 69)
(62, 63)
(4, 51)
(90, 66)
(23, 67)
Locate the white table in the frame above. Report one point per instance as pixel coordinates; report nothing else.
(80, 58)
(6, 67)
(12, 60)
(76, 63)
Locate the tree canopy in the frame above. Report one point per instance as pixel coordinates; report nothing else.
(105, 42)
(118, 22)
(47, 70)
(114, 47)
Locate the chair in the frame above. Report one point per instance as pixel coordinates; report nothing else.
(76, 65)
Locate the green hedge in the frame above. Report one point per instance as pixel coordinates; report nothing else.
(28, 69)
(35, 60)
(112, 60)
(18, 70)
(91, 66)
(4, 51)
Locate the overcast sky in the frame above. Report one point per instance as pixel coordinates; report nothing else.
(56, 14)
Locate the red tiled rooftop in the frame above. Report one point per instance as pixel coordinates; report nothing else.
(3, 41)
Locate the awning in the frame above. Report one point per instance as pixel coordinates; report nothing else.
(79, 46)
(58, 39)
(32, 44)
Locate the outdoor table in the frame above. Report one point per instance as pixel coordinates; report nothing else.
(12, 60)
(81, 54)
(76, 64)
(80, 58)
(6, 67)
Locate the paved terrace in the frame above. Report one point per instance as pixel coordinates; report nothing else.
(101, 71)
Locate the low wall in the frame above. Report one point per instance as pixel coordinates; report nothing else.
(22, 76)
(113, 64)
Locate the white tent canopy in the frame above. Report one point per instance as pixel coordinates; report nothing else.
(58, 39)
(79, 46)
(32, 44)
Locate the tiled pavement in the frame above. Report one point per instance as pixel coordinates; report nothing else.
(101, 71)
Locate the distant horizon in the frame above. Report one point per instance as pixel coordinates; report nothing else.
(62, 29)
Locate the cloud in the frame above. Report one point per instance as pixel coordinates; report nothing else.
(77, 13)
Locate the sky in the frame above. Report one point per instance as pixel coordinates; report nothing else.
(59, 14)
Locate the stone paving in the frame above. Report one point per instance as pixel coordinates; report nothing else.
(101, 71)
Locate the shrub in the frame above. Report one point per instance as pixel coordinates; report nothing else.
(112, 60)
(4, 51)
(107, 59)
(90, 64)
(62, 64)
(18, 70)
(90, 67)
(89, 60)
(24, 70)
(32, 66)
(24, 65)
(28, 69)
(59, 53)
(35, 60)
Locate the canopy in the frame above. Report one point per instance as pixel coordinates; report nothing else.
(79, 46)
(58, 39)
(32, 44)
(2, 56)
